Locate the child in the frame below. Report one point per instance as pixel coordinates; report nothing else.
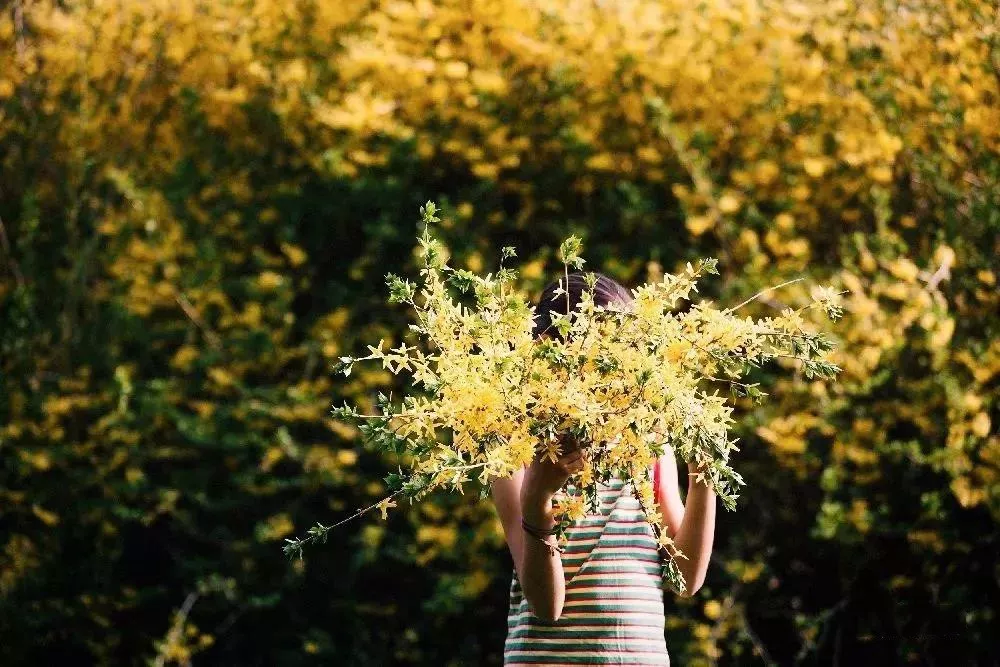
(600, 602)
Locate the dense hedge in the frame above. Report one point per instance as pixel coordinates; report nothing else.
(200, 199)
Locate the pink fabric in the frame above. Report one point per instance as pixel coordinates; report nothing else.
(656, 481)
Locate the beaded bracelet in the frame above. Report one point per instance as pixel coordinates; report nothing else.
(553, 548)
(540, 535)
(535, 529)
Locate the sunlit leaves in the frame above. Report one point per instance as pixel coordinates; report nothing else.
(499, 397)
(149, 181)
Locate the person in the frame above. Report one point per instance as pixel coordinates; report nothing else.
(600, 600)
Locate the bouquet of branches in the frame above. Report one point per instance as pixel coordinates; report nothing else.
(621, 383)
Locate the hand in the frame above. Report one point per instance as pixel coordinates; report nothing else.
(543, 478)
(695, 469)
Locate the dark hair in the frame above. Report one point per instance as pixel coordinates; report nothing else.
(607, 291)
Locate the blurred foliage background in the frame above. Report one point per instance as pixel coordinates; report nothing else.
(199, 200)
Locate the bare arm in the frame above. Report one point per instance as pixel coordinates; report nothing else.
(669, 496)
(690, 523)
(696, 533)
(528, 494)
(539, 571)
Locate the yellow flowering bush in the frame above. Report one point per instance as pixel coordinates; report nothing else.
(179, 177)
(623, 382)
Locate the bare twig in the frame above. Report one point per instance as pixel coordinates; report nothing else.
(19, 29)
(213, 338)
(758, 294)
(174, 635)
(774, 303)
(755, 640)
(943, 272)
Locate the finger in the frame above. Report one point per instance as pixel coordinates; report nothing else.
(568, 443)
(572, 457)
(569, 462)
(542, 455)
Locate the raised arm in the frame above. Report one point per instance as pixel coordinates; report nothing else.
(527, 495)
(669, 494)
(694, 533)
(690, 523)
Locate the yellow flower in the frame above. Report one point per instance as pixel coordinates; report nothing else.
(269, 280)
(384, 505)
(47, 517)
(499, 397)
(765, 172)
(699, 224)
(815, 167)
(729, 203)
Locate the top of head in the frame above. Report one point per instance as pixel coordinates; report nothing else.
(607, 291)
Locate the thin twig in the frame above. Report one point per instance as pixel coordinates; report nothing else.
(777, 305)
(19, 29)
(943, 272)
(213, 338)
(178, 626)
(769, 289)
(364, 510)
(755, 639)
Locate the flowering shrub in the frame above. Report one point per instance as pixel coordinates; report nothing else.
(495, 398)
(179, 180)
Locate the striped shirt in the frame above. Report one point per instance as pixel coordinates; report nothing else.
(613, 613)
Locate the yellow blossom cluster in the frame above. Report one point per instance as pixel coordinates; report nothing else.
(816, 100)
(623, 382)
(177, 174)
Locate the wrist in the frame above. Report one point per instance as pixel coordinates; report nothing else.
(696, 468)
(700, 487)
(536, 509)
